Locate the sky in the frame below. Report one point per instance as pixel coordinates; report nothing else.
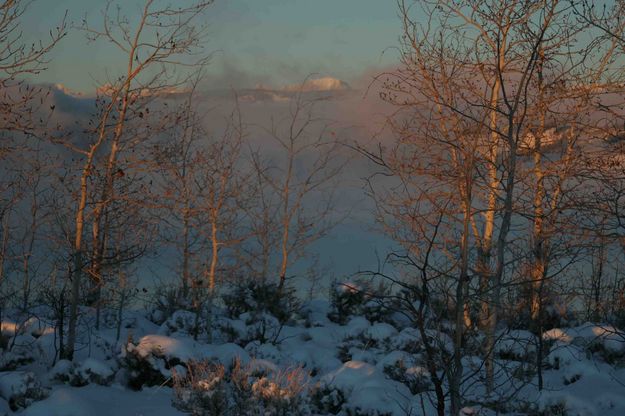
(256, 41)
(275, 43)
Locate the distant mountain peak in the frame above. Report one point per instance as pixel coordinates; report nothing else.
(318, 84)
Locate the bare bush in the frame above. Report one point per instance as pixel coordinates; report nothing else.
(208, 389)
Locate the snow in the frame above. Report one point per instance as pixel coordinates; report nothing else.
(368, 388)
(606, 336)
(357, 326)
(12, 384)
(393, 358)
(225, 353)
(311, 356)
(316, 312)
(406, 338)
(326, 337)
(184, 350)
(380, 332)
(62, 369)
(93, 400)
(366, 368)
(348, 287)
(64, 402)
(164, 346)
(418, 371)
(37, 327)
(95, 370)
(237, 326)
(311, 85)
(17, 383)
(572, 406)
(265, 366)
(265, 351)
(96, 367)
(557, 334)
(516, 343)
(4, 407)
(180, 321)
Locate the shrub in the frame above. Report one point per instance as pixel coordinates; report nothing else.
(231, 330)
(149, 367)
(89, 371)
(165, 301)
(21, 389)
(257, 297)
(10, 360)
(328, 400)
(262, 327)
(359, 297)
(208, 389)
(201, 390)
(417, 379)
(184, 322)
(23, 349)
(556, 409)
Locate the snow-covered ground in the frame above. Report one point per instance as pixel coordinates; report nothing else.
(357, 367)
